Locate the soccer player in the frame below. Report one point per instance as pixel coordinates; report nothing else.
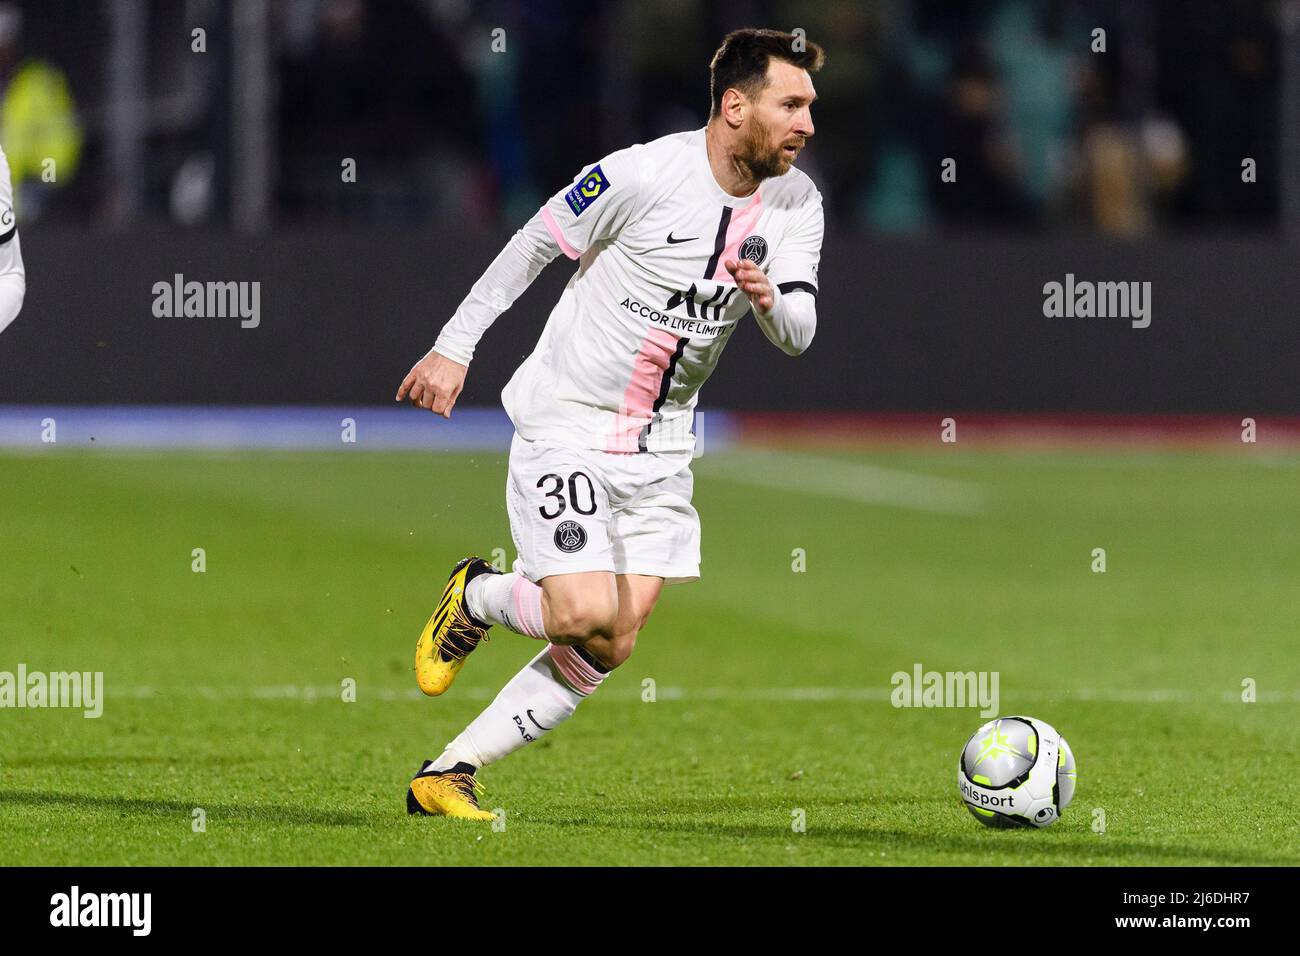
(677, 241)
(13, 278)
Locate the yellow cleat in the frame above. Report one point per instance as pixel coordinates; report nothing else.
(452, 633)
(448, 793)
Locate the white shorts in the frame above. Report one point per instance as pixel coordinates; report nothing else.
(574, 509)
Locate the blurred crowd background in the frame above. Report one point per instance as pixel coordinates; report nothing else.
(451, 122)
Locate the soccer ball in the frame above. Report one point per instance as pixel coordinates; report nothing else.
(1016, 772)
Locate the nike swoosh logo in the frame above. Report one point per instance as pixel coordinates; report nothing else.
(673, 242)
(534, 720)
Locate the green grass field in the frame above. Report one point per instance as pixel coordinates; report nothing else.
(223, 688)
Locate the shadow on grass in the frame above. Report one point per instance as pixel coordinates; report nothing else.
(108, 760)
(136, 806)
(1028, 846)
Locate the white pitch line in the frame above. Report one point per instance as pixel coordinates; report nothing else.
(846, 480)
(333, 693)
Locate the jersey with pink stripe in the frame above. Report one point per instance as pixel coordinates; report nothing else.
(642, 322)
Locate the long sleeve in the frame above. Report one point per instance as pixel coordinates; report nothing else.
(13, 277)
(591, 209)
(527, 253)
(793, 275)
(793, 320)
(13, 282)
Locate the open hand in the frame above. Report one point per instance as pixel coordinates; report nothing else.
(434, 383)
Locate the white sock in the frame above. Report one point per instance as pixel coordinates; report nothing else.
(510, 600)
(536, 700)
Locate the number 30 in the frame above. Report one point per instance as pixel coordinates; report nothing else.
(557, 492)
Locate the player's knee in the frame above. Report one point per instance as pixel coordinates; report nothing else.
(611, 654)
(639, 621)
(581, 622)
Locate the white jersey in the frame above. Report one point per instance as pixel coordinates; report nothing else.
(641, 324)
(13, 278)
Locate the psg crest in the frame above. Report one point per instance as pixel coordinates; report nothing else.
(569, 537)
(754, 249)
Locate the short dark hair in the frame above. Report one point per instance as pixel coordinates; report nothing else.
(742, 60)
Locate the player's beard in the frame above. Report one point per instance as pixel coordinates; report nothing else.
(758, 156)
